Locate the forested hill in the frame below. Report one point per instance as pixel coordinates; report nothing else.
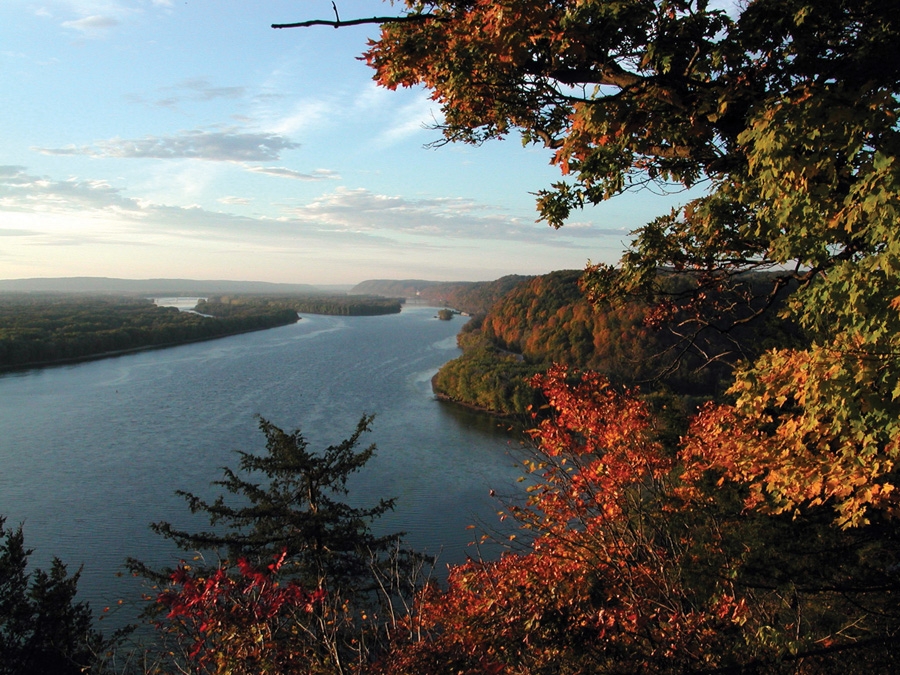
(471, 297)
(547, 320)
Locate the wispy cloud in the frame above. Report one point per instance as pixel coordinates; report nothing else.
(20, 191)
(92, 24)
(218, 146)
(342, 215)
(236, 201)
(411, 120)
(92, 18)
(360, 210)
(196, 89)
(14, 232)
(283, 172)
(24, 193)
(302, 116)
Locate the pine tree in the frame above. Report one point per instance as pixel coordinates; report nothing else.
(296, 509)
(43, 630)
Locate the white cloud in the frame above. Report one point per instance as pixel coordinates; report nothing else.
(414, 118)
(303, 116)
(283, 172)
(14, 232)
(345, 234)
(94, 17)
(20, 191)
(220, 146)
(92, 24)
(359, 210)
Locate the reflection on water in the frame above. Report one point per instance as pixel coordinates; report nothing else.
(91, 453)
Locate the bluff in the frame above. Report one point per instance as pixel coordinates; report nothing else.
(547, 319)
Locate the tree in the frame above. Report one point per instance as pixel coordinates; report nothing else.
(762, 536)
(623, 566)
(43, 630)
(328, 543)
(787, 112)
(318, 607)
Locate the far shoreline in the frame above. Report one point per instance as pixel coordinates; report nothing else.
(40, 365)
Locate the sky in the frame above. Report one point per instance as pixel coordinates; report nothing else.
(188, 139)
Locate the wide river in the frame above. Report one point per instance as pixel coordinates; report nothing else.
(91, 453)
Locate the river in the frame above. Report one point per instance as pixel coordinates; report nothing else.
(91, 453)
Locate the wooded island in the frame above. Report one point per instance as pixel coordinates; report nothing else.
(45, 329)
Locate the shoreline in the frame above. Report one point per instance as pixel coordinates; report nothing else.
(39, 365)
(444, 398)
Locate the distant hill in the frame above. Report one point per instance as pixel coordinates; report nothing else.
(187, 287)
(472, 297)
(399, 288)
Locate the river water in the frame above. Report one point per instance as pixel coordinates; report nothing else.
(93, 452)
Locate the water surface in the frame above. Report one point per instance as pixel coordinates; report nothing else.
(91, 453)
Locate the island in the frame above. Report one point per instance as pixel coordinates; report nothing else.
(41, 329)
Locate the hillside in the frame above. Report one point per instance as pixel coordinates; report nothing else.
(547, 319)
(471, 297)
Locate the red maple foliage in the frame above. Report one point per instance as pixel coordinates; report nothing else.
(239, 622)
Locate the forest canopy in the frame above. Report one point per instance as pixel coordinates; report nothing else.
(786, 112)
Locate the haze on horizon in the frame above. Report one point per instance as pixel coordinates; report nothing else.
(160, 139)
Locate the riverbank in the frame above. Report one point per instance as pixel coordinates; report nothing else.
(124, 352)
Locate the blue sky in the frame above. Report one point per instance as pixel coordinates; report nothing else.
(187, 138)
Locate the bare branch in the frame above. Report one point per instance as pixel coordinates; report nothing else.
(358, 22)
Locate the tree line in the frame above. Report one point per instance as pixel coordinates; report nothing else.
(339, 305)
(471, 297)
(42, 329)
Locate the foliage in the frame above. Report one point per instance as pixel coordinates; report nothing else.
(341, 305)
(788, 111)
(296, 509)
(238, 621)
(645, 549)
(488, 379)
(471, 297)
(45, 329)
(43, 629)
(623, 566)
(549, 320)
(597, 586)
(324, 603)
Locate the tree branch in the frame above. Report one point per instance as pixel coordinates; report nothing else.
(358, 22)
